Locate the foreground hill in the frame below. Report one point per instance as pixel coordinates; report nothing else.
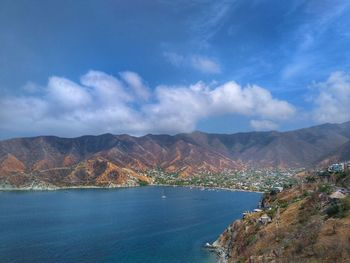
(110, 160)
(306, 223)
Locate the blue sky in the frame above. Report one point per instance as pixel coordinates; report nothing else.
(88, 67)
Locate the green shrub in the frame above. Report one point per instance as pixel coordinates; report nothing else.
(282, 203)
(310, 179)
(251, 240)
(346, 203)
(339, 209)
(325, 188)
(333, 210)
(271, 212)
(143, 183)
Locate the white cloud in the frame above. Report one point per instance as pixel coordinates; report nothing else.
(263, 125)
(200, 63)
(135, 82)
(332, 101)
(250, 101)
(66, 93)
(104, 87)
(103, 103)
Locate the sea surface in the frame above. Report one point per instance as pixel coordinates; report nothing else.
(118, 225)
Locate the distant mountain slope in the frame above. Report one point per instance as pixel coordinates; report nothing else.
(117, 159)
(340, 154)
(300, 148)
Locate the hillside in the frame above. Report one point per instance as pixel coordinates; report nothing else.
(109, 160)
(303, 224)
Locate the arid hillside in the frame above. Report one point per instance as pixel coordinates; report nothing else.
(306, 223)
(108, 160)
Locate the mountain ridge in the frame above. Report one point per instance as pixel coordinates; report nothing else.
(24, 160)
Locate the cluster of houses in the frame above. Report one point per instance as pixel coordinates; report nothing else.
(339, 167)
(264, 219)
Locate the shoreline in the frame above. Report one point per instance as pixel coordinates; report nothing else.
(57, 188)
(211, 188)
(218, 250)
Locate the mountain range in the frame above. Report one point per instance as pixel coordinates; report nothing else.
(113, 160)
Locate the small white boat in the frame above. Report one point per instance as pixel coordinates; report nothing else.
(163, 195)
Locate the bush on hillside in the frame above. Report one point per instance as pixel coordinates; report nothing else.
(325, 188)
(339, 209)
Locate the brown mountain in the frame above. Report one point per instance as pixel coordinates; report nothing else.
(118, 159)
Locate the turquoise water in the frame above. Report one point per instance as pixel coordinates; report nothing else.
(119, 225)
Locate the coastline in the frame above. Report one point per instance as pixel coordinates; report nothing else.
(218, 250)
(210, 188)
(57, 188)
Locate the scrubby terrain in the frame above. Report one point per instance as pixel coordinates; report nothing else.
(307, 225)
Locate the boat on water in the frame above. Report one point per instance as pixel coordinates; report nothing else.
(163, 195)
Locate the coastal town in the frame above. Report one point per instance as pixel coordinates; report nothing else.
(329, 184)
(250, 179)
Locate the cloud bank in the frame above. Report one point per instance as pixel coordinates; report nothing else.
(102, 103)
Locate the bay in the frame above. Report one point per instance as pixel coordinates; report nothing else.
(127, 225)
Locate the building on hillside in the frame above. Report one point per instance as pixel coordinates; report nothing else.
(336, 167)
(278, 189)
(265, 219)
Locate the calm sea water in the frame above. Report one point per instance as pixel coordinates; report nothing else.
(119, 225)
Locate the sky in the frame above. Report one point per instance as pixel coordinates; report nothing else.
(70, 68)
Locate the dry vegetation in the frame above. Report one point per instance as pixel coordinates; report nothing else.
(307, 226)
